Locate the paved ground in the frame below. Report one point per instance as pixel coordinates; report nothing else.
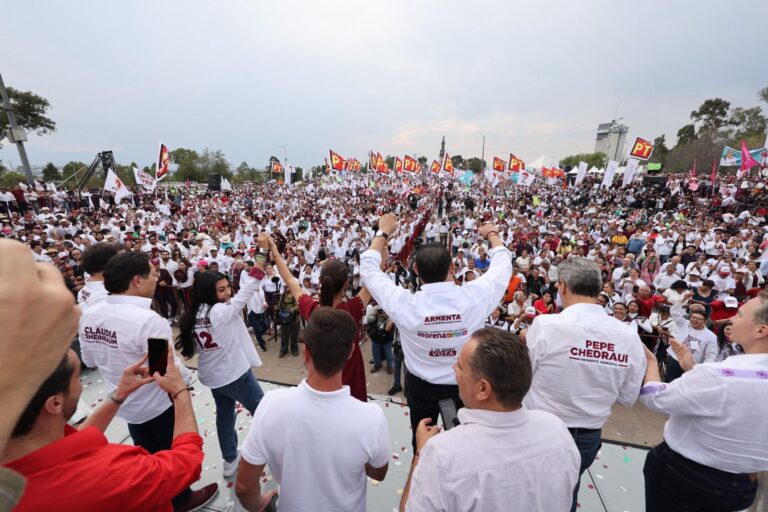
(634, 425)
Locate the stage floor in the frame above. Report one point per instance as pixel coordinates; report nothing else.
(614, 483)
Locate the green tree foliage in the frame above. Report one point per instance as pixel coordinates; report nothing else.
(458, 162)
(187, 161)
(70, 168)
(593, 160)
(705, 148)
(713, 113)
(10, 179)
(475, 164)
(747, 122)
(660, 150)
(686, 134)
(30, 110)
(763, 94)
(51, 173)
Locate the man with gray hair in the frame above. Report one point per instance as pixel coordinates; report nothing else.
(583, 360)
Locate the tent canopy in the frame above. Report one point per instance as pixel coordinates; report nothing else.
(542, 161)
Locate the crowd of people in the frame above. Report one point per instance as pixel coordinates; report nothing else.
(531, 309)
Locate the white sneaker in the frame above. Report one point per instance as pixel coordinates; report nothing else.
(230, 468)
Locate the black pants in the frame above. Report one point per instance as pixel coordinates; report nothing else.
(289, 333)
(423, 398)
(156, 435)
(674, 483)
(674, 370)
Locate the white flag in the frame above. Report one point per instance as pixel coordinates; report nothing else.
(288, 175)
(526, 179)
(225, 184)
(116, 185)
(610, 170)
(629, 171)
(51, 187)
(144, 180)
(582, 173)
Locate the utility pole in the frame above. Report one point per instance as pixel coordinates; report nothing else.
(482, 154)
(16, 135)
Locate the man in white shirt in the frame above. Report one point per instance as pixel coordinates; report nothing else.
(319, 441)
(697, 467)
(502, 456)
(113, 335)
(583, 360)
(435, 322)
(694, 335)
(665, 279)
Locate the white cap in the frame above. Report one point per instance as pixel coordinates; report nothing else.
(731, 302)
(530, 311)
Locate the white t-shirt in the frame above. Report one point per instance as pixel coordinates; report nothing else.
(91, 294)
(317, 445)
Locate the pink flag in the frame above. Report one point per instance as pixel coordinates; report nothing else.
(693, 171)
(747, 162)
(714, 172)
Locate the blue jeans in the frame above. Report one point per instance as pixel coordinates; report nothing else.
(260, 325)
(588, 444)
(245, 390)
(385, 350)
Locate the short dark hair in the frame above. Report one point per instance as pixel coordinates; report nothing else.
(57, 382)
(501, 359)
(432, 262)
(96, 257)
(121, 269)
(328, 338)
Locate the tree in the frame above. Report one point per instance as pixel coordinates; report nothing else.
(423, 160)
(51, 173)
(458, 162)
(747, 122)
(596, 159)
(188, 164)
(704, 149)
(390, 161)
(70, 168)
(11, 179)
(713, 113)
(763, 94)
(686, 134)
(475, 164)
(660, 150)
(30, 112)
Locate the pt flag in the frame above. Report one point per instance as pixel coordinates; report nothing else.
(276, 167)
(337, 161)
(499, 164)
(642, 149)
(435, 167)
(448, 164)
(515, 164)
(163, 160)
(410, 164)
(398, 164)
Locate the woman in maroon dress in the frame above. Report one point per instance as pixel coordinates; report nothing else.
(334, 279)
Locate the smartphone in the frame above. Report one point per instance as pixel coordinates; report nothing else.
(272, 507)
(158, 355)
(449, 413)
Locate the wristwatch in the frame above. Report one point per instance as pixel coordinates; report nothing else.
(382, 234)
(113, 396)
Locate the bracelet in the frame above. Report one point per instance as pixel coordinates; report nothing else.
(173, 397)
(113, 397)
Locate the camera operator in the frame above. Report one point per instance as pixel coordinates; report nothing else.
(382, 332)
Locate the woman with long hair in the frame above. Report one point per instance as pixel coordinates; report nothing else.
(334, 280)
(213, 328)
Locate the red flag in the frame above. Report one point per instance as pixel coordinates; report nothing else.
(371, 160)
(337, 161)
(747, 162)
(410, 164)
(276, 167)
(693, 171)
(499, 164)
(546, 172)
(435, 167)
(448, 165)
(163, 160)
(642, 149)
(515, 164)
(398, 164)
(714, 172)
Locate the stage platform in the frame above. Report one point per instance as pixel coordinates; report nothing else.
(614, 483)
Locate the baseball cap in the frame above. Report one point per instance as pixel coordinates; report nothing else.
(731, 302)
(530, 311)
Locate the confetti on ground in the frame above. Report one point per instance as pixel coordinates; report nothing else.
(626, 459)
(399, 492)
(230, 485)
(599, 476)
(623, 488)
(590, 486)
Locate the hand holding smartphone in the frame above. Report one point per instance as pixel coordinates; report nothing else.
(158, 355)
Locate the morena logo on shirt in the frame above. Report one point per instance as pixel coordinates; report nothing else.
(442, 319)
(100, 335)
(600, 352)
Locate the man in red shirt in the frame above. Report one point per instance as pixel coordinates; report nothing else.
(68, 469)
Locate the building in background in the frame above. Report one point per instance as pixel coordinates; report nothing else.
(612, 139)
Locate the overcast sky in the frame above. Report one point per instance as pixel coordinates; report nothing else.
(389, 75)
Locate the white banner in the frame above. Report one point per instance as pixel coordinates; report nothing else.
(116, 185)
(526, 178)
(225, 184)
(144, 180)
(629, 171)
(288, 175)
(582, 172)
(610, 171)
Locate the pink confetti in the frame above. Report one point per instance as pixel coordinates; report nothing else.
(406, 413)
(230, 485)
(395, 456)
(403, 448)
(606, 467)
(590, 486)
(386, 404)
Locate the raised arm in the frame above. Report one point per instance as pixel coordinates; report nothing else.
(291, 282)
